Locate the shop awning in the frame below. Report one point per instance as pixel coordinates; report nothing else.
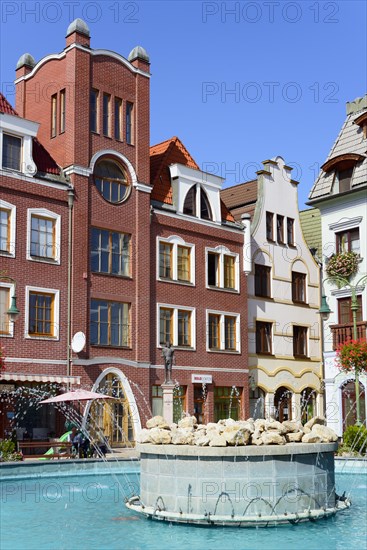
(45, 378)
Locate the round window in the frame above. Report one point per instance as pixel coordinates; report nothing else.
(111, 181)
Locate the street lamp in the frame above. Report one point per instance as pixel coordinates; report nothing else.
(325, 313)
(13, 311)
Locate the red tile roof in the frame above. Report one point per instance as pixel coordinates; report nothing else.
(171, 151)
(5, 106)
(44, 161)
(162, 155)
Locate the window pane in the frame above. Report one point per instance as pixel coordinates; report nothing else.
(53, 115)
(165, 326)
(42, 237)
(118, 118)
(62, 110)
(5, 230)
(165, 260)
(190, 202)
(41, 314)
(229, 263)
(214, 332)
(345, 177)
(183, 263)
(205, 213)
(263, 337)
(11, 152)
(129, 123)
(4, 306)
(94, 111)
(280, 229)
(298, 287)
(269, 226)
(213, 276)
(106, 114)
(184, 328)
(230, 333)
(290, 231)
(111, 181)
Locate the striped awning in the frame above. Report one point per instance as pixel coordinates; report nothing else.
(45, 378)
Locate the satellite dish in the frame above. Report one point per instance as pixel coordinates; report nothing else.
(78, 342)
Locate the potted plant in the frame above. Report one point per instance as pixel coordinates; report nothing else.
(352, 356)
(344, 264)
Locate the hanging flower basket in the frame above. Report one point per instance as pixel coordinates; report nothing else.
(352, 356)
(344, 265)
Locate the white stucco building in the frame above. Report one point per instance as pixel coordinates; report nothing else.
(340, 193)
(283, 297)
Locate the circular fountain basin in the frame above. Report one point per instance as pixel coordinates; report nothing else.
(246, 486)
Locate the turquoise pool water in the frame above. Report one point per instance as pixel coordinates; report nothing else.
(87, 511)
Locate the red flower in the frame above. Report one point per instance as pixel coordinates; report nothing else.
(352, 356)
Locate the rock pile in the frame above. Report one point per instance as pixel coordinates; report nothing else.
(231, 432)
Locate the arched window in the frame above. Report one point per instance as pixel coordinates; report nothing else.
(205, 210)
(190, 202)
(112, 419)
(111, 181)
(308, 404)
(257, 402)
(283, 404)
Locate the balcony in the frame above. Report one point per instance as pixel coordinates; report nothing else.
(342, 333)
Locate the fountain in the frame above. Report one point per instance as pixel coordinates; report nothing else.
(237, 473)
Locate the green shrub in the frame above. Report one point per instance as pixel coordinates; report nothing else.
(8, 452)
(355, 438)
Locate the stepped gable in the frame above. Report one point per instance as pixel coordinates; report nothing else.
(44, 161)
(162, 155)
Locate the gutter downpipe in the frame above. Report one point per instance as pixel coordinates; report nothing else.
(70, 250)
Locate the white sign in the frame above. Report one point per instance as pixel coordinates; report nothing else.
(201, 378)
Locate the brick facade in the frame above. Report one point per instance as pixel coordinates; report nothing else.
(77, 150)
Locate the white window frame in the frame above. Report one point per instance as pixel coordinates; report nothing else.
(175, 309)
(44, 213)
(176, 241)
(222, 315)
(56, 311)
(11, 288)
(26, 130)
(223, 251)
(13, 212)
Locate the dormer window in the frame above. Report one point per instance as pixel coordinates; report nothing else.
(345, 178)
(343, 166)
(12, 148)
(205, 211)
(190, 204)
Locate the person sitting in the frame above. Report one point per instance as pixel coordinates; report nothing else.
(80, 444)
(75, 438)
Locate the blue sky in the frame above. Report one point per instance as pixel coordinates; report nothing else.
(238, 82)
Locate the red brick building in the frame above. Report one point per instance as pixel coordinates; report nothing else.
(140, 248)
